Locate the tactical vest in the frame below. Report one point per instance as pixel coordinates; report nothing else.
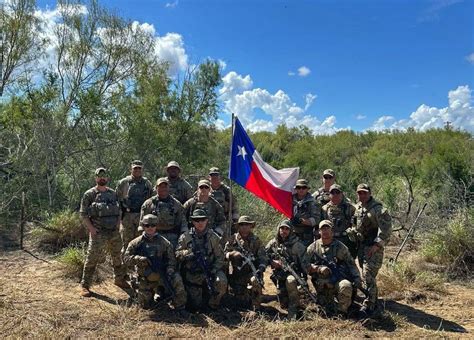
(137, 193)
(321, 197)
(340, 216)
(166, 213)
(220, 196)
(104, 208)
(364, 221)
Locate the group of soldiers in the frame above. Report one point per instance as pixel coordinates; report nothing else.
(171, 242)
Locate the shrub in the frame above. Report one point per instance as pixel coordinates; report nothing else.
(60, 230)
(72, 258)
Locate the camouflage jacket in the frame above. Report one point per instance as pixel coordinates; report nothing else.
(373, 222)
(213, 209)
(340, 215)
(180, 189)
(222, 195)
(156, 249)
(132, 193)
(206, 244)
(337, 253)
(321, 197)
(169, 211)
(305, 208)
(252, 245)
(102, 208)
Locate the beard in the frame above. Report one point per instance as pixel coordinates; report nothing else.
(102, 182)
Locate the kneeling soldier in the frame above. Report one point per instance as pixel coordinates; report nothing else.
(286, 250)
(155, 262)
(247, 255)
(201, 260)
(332, 269)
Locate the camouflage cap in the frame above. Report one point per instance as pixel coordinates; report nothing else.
(302, 183)
(173, 164)
(363, 187)
(285, 223)
(99, 170)
(214, 171)
(329, 172)
(245, 220)
(162, 180)
(137, 164)
(325, 223)
(198, 214)
(149, 219)
(335, 187)
(204, 182)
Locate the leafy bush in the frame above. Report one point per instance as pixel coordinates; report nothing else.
(72, 258)
(60, 230)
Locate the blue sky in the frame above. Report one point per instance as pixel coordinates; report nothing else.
(326, 64)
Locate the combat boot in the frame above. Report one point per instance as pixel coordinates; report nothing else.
(85, 292)
(122, 283)
(292, 313)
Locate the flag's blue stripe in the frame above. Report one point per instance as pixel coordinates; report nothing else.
(240, 168)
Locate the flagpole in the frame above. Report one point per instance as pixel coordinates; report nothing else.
(229, 230)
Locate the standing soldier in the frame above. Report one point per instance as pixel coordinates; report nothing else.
(202, 259)
(286, 247)
(171, 221)
(306, 214)
(332, 269)
(221, 193)
(340, 212)
(155, 263)
(322, 194)
(179, 187)
(203, 200)
(132, 191)
(100, 213)
(247, 255)
(373, 227)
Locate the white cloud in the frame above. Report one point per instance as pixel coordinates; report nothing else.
(360, 117)
(432, 13)
(170, 48)
(470, 58)
(239, 97)
(309, 99)
(291, 73)
(459, 112)
(379, 124)
(303, 71)
(222, 64)
(172, 4)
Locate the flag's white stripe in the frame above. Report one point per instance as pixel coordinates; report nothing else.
(284, 179)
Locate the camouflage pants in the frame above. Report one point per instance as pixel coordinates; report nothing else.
(147, 289)
(129, 228)
(288, 294)
(246, 289)
(103, 240)
(326, 293)
(195, 285)
(370, 268)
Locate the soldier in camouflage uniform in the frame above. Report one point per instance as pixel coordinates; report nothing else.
(155, 263)
(246, 285)
(322, 194)
(340, 212)
(100, 213)
(306, 214)
(179, 187)
(203, 200)
(132, 191)
(221, 193)
(171, 221)
(201, 259)
(373, 228)
(286, 244)
(332, 269)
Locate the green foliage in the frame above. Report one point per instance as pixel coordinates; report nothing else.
(72, 260)
(60, 230)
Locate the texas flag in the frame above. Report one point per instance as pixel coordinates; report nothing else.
(248, 169)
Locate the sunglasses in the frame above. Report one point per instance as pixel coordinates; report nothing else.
(203, 187)
(327, 177)
(148, 226)
(298, 188)
(335, 192)
(199, 219)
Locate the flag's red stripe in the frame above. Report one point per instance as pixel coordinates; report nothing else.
(260, 187)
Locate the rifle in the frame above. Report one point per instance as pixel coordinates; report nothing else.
(287, 268)
(249, 259)
(202, 263)
(338, 273)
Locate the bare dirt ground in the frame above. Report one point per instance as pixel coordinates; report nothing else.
(36, 300)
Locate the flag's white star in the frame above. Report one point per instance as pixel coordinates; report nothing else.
(242, 151)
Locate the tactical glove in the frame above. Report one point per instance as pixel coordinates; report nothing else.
(352, 234)
(142, 261)
(324, 272)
